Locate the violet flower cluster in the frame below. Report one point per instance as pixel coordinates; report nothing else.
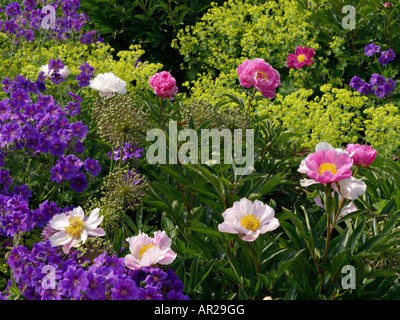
(378, 84)
(71, 168)
(41, 126)
(24, 20)
(87, 74)
(385, 57)
(15, 214)
(34, 122)
(129, 151)
(75, 277)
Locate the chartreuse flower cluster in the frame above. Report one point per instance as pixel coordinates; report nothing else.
(334, 117)
(84, 62)
(237, 30)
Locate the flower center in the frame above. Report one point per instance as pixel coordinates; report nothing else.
(327, 166)
(76, 226)
(144, 248)
(261, 74)
(301, 58)
(250, 222)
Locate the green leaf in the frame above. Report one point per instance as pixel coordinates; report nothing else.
(118, 243)
(194, 267)
(207, 231)
(355, 236)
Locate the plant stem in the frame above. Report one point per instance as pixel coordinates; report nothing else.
(251, 99)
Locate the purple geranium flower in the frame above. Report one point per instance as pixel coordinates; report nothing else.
(55, 65)
(386, 57)
(96, 286)
(356, 82)
(93, 166)
(79, 130)
(79, 182)
(124, 289)
(84, 79)
(380, 92)
(74, 281)
(377, 80)
(10, 132)
(371, 49)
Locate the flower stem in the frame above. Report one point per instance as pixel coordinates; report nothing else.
(251, 99)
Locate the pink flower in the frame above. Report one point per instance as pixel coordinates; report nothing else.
(260, 75)
(301, 57)
(164, 85)
(362, 155)
(147, 251)
(387, 5)
(248, 219)
(350, 187)
(329, 165)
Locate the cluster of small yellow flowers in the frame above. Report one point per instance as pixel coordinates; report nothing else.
(28, 59)
(334, 117)
(237, 30)
(382, 126)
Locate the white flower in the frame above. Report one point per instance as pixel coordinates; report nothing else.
(107, 84)
(73, 228)
(248, 219)
(63, 72)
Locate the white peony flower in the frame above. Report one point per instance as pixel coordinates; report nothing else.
(63, 72)
(73, 228)
(248, 219)
(107, 84)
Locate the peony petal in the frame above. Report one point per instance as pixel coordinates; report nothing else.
(272, 225)
(352, 188)
(59, 222)
(131, 262)
(60, 238)
(307, 182)
(98, 232)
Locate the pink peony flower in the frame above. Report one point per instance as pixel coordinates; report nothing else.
(248, 219)
(329, 165)
(362, 155)
(301, 57)
(260, 75)
(164, 85)
(147, 251)
(350, 187)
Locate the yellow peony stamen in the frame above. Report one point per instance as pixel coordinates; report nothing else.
(262, 74)
(76, 226)
(144, 248)
(327, 166)
(301, 58)
(250, 222)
